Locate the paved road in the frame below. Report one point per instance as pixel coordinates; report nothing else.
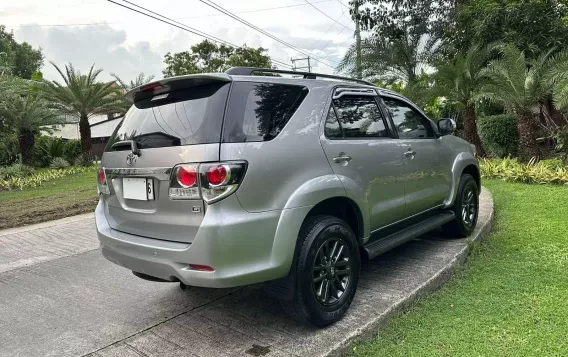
(60, 297)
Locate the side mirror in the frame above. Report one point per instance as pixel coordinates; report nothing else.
(446, 126)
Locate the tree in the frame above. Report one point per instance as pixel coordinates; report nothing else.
(533, 26)
(29, 114)
(459, 81)
(10, 86)
(82, 96)
(557, 76)
(520, 85)
(423, 93)
(395, 18)
(391, 59)
(208, 57)
(140, 80)
(20, 59)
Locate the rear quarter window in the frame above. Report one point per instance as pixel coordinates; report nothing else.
(259, 111)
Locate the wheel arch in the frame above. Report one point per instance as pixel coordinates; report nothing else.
(465, 162)
(345, 209)
(473, 170)
(322, 195)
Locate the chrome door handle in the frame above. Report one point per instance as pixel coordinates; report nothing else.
(410, 153)
(342, 158)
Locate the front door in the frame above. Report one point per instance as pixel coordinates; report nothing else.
(360, 148)
(425, 184)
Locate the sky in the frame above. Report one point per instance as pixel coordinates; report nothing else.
(126, 43)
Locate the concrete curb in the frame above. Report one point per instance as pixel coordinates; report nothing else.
(56, 222)
(369, 330)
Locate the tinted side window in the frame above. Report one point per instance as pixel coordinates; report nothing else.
(332, 128)
(360, 117)
(408, 122)
(259, 111)
(184, 117)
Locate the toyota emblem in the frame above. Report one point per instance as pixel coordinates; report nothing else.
(131, 159)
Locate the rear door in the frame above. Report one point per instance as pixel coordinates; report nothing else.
(425, 181)
(359, 146)
(168, 127)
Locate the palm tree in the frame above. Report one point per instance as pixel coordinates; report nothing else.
(459, 81)
(557, 77)
(29, 114)
(400, 59)
(140, 80)
(82, 96)
(520, 85)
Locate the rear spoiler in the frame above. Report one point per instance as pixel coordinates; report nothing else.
(173, 84)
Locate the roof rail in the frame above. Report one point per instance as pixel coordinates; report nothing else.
(248, 71)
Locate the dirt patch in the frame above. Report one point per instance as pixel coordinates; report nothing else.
(38, 214)
(56, 199)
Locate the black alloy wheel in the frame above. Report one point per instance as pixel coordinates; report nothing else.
(332, 271)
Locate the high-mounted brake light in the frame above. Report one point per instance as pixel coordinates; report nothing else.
(152, 87)
(102, 184)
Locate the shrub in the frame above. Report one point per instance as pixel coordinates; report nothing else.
(81, 160)
(37, 179)
(543, 172)
(47, 149)
(561, 139)
(71, 150)
(8, 150)
(15, 171)
(59, 163)
(499, 134)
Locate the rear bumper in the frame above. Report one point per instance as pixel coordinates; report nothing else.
(243, 247)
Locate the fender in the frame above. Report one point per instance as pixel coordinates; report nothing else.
(321, 188)
(461, 161)
(302, 200)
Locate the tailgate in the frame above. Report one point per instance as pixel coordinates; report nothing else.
(159, 132)
(160, 217)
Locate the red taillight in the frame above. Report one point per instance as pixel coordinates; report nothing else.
(200, 267)
(217, 175)
(186, 176)
(102, 176)
(211, 182)
(102, 185)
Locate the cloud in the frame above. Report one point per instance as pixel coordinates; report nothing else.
(115, 51)
(102, 45)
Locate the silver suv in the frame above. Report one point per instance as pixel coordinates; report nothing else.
(248, 176)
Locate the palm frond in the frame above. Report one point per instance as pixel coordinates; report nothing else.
(83, 95)
(391, 60)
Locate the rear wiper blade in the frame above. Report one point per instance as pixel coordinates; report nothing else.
(130, 143)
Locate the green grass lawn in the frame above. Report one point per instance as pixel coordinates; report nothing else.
(510, 298)
(62, 197)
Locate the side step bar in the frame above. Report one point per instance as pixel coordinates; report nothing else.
(389, 242)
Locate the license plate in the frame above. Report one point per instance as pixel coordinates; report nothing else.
(141, 189)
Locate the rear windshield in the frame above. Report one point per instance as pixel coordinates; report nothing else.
(259, 111)
(184, 117)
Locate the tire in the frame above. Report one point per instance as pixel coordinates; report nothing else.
(466, 208)
(323, 292)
